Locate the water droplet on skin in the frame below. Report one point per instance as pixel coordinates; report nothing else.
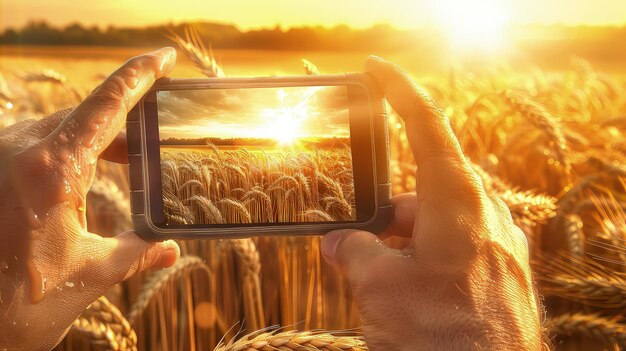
(90, 135)
(69, 284)
(4, 266)
(81, 286)
(63, 138)
(132, 82)
(100, 120)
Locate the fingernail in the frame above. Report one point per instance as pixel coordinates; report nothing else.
(169, 58)
(330, 242)
(377, 58)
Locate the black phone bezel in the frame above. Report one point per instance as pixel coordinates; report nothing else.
(361, 148)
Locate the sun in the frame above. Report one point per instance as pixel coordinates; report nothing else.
(473, 24)
(284, 123)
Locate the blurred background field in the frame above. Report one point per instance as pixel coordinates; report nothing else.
(541, 114)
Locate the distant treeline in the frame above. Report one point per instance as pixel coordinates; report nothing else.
(333, 142)
(338, 38)
(536, 41)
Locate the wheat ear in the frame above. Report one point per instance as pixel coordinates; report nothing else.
(197, 52)
(591, 325)
(580, 279)
(310, 68)
(106, 326)
(542, 119)
(159, 279)
(293, 340)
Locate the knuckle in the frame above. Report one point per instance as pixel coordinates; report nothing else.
(354, 245)
(34, 161)
(142, 62)
(113, 90)
(141, 264)
(135, 62)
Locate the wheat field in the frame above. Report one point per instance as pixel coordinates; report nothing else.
(551, 144)
(257, 186)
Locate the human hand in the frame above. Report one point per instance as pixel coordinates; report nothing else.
(464, 282)
(46, 169)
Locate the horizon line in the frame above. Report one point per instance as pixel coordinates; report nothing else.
(284, 28)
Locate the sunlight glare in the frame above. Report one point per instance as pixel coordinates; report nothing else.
(473, 24)
(284, 123)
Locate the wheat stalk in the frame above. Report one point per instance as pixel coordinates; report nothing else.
(159, 279)
(253, 300)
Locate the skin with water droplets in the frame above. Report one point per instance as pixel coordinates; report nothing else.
(37, 283)
(4, 266)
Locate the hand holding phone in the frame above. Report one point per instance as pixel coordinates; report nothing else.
(463, 281)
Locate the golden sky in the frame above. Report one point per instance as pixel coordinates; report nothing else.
(255, 13)
(284, 114)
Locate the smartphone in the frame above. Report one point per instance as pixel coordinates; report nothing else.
(242, 157)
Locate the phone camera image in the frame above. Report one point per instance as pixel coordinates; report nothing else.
(256, 155)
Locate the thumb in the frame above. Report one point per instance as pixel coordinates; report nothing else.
(349, 250)
(129, 255)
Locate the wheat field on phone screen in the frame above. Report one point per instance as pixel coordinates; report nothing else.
(547, 137)
(241, 186)
(261, 155)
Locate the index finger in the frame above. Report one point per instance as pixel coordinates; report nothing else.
(449, 193)
(428, 128)
(441, 165)
(95, 123)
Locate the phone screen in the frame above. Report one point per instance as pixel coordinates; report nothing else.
(256, 155)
